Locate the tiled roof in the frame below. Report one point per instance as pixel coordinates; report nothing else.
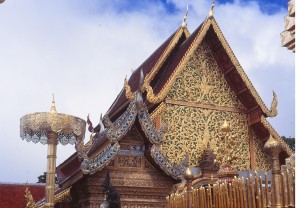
(147, 66)
(162, 75)
(12, 195)
(176, 59)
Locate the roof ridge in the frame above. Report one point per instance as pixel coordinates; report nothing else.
(163, 92)
(166, 48)
(149, 77)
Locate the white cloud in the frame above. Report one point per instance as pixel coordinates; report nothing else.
(82, 50)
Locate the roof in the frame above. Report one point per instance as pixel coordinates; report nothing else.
(232, 70)
(151, 66)
(162, 69)
(12, 194)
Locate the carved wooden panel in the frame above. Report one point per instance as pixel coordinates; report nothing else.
(201, 83)
(262, 159)
(190, 128)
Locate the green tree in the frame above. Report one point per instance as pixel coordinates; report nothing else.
(290, 141)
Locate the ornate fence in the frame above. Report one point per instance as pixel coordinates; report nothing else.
(252, 192)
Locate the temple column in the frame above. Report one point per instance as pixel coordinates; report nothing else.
(189, 176)
(274, 148)
(51, 166)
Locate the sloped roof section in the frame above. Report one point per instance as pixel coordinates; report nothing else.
(150, 67)
(208, 28)
(12, 195)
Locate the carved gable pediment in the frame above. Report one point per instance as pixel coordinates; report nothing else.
(202, 82)
(196, 106)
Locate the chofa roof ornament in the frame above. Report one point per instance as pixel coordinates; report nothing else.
(183, 24)
(211, 11)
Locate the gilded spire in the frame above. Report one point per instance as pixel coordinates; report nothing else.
(211, 11)
(53, 108)
(183, 24)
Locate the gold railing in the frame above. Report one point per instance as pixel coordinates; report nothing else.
(252, 192)
(241, 193)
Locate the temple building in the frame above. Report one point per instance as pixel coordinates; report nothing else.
(289, 33)
(169, 116)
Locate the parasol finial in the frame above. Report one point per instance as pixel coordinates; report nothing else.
(53, 108)
(183, 24)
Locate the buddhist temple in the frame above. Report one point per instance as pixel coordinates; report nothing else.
(169, 116)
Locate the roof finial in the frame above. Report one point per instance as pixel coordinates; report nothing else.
(53, 108)
(183, 24)
(211, 11)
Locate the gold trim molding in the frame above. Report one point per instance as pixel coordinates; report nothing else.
(210, 107)
(151, 97)
(158, 111)
(128, 93)
(270, 113)
(149, 77)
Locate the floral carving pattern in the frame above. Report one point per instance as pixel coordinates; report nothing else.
(190, 128)
(262, 159)
(201, 81)
(130, 161)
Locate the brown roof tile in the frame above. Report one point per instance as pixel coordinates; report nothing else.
(147, 66)
(12, 195)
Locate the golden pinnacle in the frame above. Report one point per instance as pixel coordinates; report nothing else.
(53, 108)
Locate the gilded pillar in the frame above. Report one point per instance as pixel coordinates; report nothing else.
(189, 176)
(274, 148)
(51, 166)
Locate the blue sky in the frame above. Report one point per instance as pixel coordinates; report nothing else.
(81, 50)
(266, 6)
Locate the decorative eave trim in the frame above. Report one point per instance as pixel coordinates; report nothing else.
(174, 170)
(276, 136)
(122, 125)
(151, 97)
(201, 34)
(154, 135)
(128, 92)
(186, 32)
(90, 166)
(113, 132)
(149, 77)
(241, 72)
(158, 111)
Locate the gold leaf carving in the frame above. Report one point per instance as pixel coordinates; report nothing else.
(128, 93)
(189, 130)
(262, 159)
(201, 81)
(130, 161)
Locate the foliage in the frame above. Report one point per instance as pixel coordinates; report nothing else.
(290, 141)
